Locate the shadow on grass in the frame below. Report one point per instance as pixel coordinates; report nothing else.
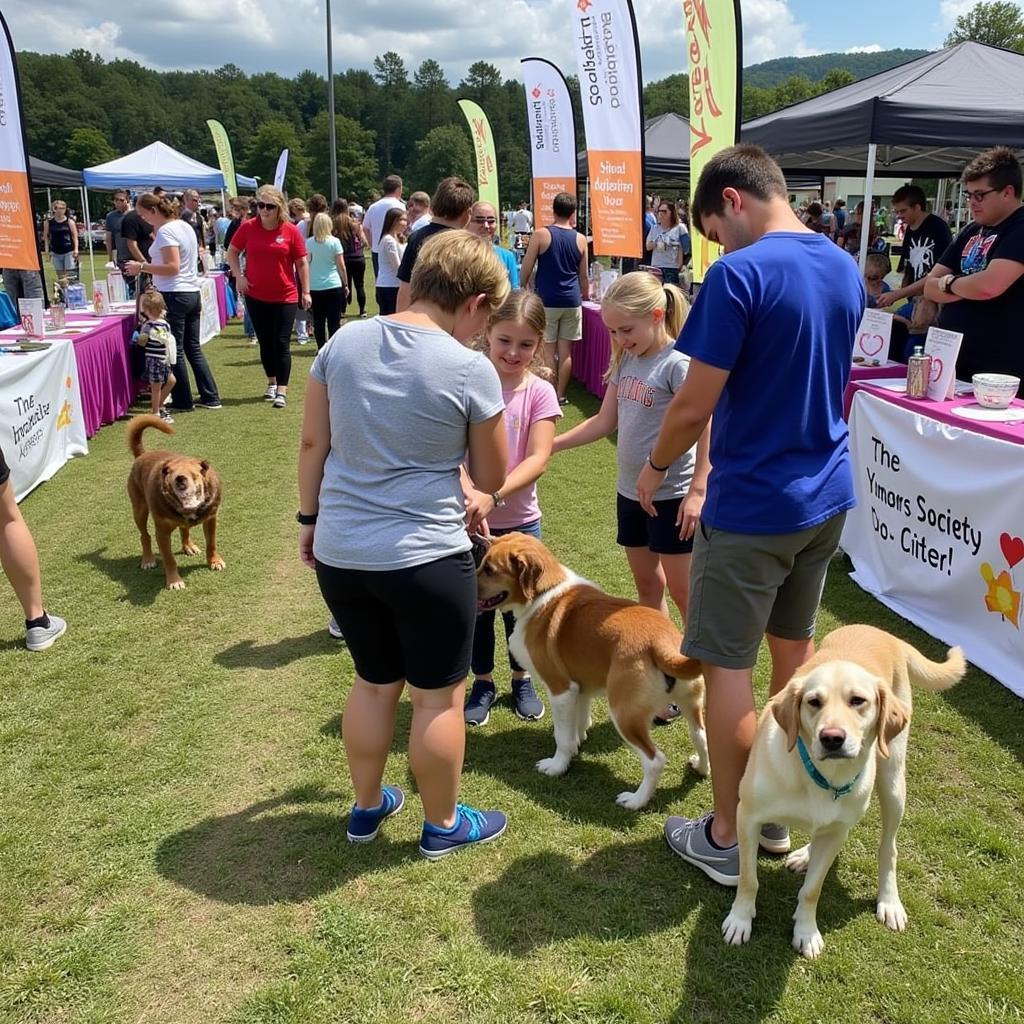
(141, 586)
(251, 400)
(630, 890)
(288, 849)
(249, 654)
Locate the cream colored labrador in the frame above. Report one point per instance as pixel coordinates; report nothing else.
(838, 730)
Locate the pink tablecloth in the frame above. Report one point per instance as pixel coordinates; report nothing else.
(221, 282)
(590, 355)
(104, 377)
(940, 411)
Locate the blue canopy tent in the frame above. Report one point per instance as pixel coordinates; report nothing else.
(159, 164)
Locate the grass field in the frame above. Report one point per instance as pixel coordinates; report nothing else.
(173, 794)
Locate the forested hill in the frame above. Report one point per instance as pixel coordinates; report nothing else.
(771, 73)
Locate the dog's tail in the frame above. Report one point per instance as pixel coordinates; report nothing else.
(935, 675)
(672, 663)
(137, 424)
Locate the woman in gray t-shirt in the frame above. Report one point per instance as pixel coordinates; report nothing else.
(394, 406)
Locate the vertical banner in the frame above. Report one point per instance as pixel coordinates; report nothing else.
(552, 136)
(714, 55)
(282, 169)
(224, 156)
(18, 249)
(483, 145)
(608, 58)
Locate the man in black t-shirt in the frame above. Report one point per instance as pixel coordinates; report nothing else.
(979, 281)
(927, 238)
(136, 235)
(450, 206)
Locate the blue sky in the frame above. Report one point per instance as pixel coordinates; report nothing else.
(271, 35)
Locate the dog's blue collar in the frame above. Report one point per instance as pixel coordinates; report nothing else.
(818, 779)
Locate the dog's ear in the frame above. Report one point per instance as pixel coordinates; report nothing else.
(786, 711)
(203, 467)
(165, 468)
(480, 546)
(893, 718)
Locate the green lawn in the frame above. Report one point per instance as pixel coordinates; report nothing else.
(173, 794)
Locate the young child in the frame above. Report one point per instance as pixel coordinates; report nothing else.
(515, 336)
(155, 335)
(644, 318)
(876, 266)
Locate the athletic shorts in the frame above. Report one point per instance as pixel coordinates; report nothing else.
(157, 370)
(743, 585)
(636, 529)
(5, 470)
(563, 323)
(414, 624)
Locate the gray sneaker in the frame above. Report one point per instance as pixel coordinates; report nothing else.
(774, 838)
(688, 838)
(38, 638)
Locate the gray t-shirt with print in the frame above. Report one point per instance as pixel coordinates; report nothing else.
(646, 385)
(401, 400)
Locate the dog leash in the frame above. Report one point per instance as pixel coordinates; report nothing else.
(818, 779)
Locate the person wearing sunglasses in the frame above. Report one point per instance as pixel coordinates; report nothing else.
(275, 256)
(668, 242)
(979, 281)
(483, 221)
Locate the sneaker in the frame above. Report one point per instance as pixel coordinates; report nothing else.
(478, 708)
(38, 638)
(471, 827)
(212, 404)
(688, 838)
(363, 825)
(774, 838)
(166, 417)
(271, 393)
(563, 401)
(334, 629)
(303, 339)
(529, 707)
(280, 401)
(252, 339)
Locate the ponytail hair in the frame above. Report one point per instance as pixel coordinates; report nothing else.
(640, 294)
(149, 201)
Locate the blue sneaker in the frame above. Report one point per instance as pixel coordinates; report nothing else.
(478, 707)
(364, 824)
(471, 827)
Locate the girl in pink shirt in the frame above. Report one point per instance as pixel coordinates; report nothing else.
(515, 337)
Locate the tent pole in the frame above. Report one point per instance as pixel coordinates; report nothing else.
(865, 221)
(49, 202)
(959, 209)
(88, 233)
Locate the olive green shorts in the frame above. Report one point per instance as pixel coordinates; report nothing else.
(743, 585)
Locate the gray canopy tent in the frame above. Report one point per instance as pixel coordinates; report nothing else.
(926, 118)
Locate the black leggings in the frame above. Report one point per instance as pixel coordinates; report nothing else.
(356, 274)
(327, 306)
(387, 301)
(273, 322)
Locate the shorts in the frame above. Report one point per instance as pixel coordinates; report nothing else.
(743, 585)
(63, 262)
(636, 529)
(414, 624)
(563, 323)
(5, 470)
(157, 370)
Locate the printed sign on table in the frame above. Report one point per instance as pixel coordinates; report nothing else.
(936, 534)
(943, 347)
(31, 313)
(873, 335)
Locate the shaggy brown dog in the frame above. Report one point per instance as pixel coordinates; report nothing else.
(179, 492)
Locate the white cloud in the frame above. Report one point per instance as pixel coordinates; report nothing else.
(263, 35)
(870, 48)
(950, 10)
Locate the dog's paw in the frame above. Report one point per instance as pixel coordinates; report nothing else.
(148, 563)
(217, 563)
(699, 765)
(190, 549)
(631, 801)
(797, 860)
(178, 584)
(553, 765)
(736, 928)
(808, 942)
(892, 914)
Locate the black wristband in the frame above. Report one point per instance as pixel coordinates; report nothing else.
(304, 520)
(657, 469)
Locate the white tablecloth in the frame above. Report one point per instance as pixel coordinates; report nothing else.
(209, 326)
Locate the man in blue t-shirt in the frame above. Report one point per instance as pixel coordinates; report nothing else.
(770, 339)
(483, 221)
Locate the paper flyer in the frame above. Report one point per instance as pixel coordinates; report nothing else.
(943, 347)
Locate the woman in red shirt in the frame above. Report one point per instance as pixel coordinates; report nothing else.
(275, 255)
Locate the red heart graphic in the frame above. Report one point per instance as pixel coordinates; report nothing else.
(936, 369)
(866, 340)
(1012, 548)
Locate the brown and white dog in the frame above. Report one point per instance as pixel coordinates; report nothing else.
(578, 640)
(179, 492)
(836, 731)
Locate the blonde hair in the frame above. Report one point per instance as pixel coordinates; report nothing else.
(640, 294)
(453, 266)
(522, 307)
(322, 227)
(152, 303)
(296, 207)
(267, 193)
(162, 205)
(879, 262)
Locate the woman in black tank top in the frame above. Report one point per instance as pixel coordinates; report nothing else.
(60, 239)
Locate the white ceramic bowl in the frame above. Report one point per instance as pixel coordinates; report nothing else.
(995, 390)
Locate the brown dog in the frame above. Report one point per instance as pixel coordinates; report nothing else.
(837, 731)
(578, 640)
(179, 492)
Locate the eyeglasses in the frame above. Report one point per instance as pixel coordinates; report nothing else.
(266, 206)
(485, 220)
(979, 193)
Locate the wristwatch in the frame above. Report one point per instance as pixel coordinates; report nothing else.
(304, 520)
(499, 501)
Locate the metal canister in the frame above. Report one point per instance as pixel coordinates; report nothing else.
(919, 372)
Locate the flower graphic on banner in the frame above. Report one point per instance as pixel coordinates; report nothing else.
(64, 416)
(1000, 596)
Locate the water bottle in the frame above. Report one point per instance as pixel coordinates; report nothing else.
(76, 295)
